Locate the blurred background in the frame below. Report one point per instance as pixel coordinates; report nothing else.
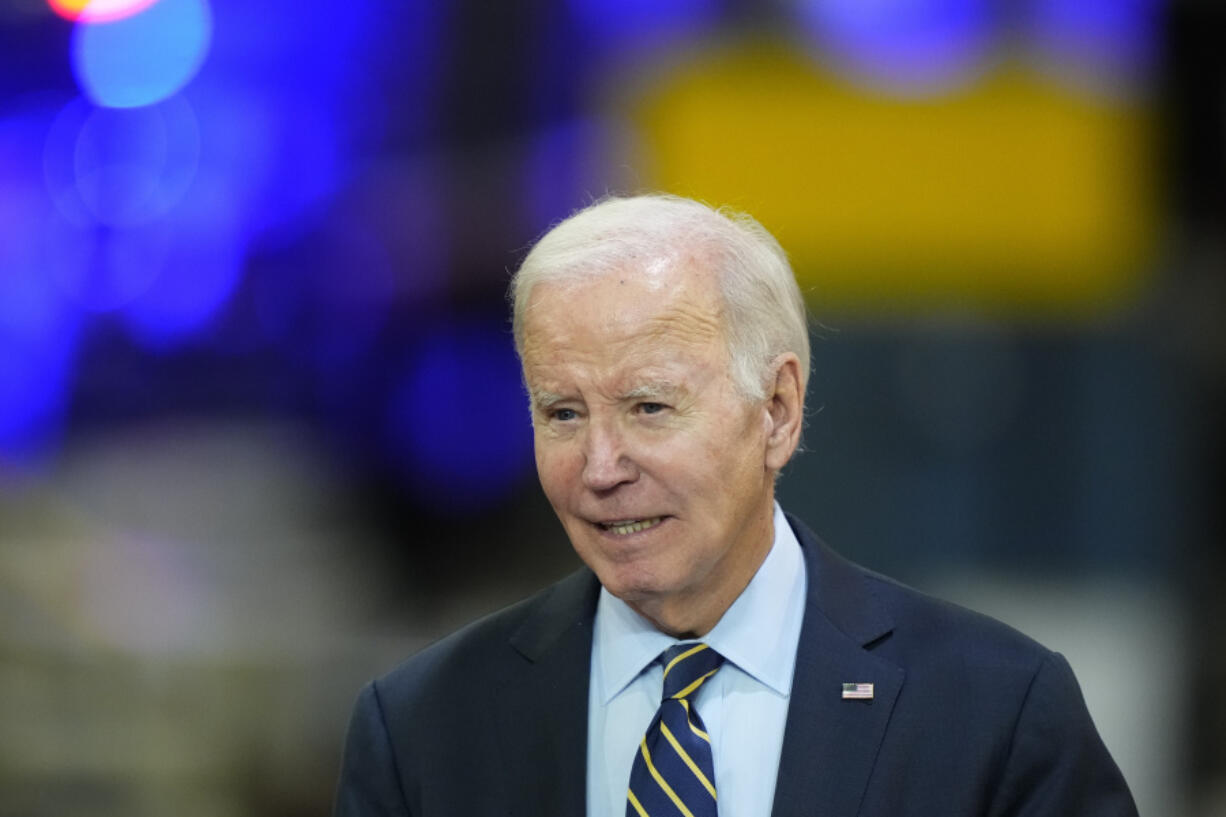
(261, 428)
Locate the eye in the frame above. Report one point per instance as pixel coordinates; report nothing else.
(564, 414)
(651, 408)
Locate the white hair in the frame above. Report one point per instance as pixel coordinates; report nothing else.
(765, 313)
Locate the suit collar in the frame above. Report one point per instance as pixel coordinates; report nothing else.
(841, 590)
(564, 609)
(830, 744)
(541, 709)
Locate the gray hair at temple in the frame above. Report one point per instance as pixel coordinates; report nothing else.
(765, 314)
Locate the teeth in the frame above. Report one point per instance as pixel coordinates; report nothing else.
(632, 525)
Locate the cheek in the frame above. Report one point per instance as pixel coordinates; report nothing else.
(731, 471)
(555, 469)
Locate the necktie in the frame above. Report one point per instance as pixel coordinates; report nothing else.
(673, 772)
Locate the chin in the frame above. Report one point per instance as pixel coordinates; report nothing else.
(628, 582)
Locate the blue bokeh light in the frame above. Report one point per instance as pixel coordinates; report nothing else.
(121, 168)
(1111, 44)
(903, 46)
(458, 420)
(642, 20)
(280, 153)
(38, 329)
(36, 373)
(133, 165)
(101, 269)
(59, 164)
(200, 266)
(24, 208)
(326, 301)
(145, 58)
(283, 116)
(115, 176)
(566, 165)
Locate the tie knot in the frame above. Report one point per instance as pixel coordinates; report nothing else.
(687, 667)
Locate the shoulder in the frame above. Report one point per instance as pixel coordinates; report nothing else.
(485, 651)
(451, 707)
(952, 657)
(976, 685)
(906, 625)
(977, 702)
(959, 660)
(928, 630)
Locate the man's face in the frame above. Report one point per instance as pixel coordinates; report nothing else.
(652, 460)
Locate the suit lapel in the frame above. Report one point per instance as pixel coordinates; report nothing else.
(830, 744)
(541, 704)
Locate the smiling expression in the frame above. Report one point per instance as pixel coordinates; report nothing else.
(660, 471)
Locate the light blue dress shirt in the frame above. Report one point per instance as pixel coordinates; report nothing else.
(744, 705)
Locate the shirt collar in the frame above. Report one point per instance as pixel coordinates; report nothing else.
(758, 633)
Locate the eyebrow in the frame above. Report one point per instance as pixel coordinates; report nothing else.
(544, 400)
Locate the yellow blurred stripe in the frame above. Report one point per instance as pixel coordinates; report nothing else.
(1015, 191)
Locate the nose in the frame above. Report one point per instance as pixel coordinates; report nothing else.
(606, 461)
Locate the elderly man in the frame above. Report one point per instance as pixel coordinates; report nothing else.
(714, 656)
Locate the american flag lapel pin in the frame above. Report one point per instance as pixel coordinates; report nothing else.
(857, 692)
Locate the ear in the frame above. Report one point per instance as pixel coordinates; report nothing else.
(784, 411)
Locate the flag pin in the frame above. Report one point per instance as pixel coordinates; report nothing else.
(857, 692)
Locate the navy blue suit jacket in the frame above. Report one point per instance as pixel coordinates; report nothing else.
(968, 717)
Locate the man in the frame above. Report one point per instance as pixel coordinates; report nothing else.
(714, 655)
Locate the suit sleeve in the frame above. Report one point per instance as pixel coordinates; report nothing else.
(1057, 762)
(369, 782)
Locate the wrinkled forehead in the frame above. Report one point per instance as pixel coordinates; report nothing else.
(656, 301)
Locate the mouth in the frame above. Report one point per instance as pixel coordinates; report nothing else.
(625, 527)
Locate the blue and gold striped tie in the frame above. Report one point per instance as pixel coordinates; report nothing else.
(673, 771)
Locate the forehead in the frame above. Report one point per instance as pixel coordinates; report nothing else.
(652, 311)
